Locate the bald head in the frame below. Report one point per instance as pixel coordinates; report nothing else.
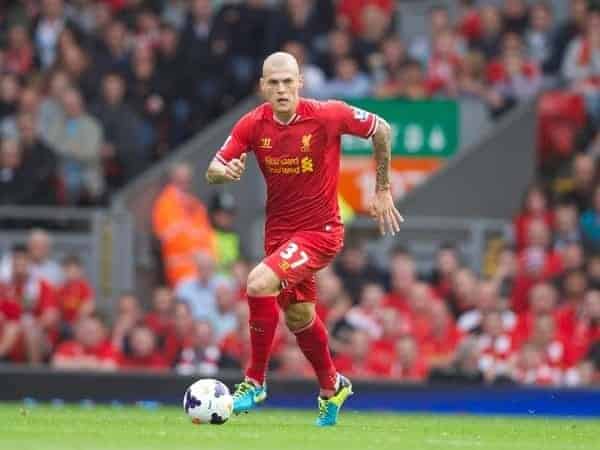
(281, 83)
(280, 62)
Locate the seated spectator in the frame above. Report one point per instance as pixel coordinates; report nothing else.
(42, 263)
(14, 184)
(180, 222)
(464, 368)
(543, 299)
(10, 90)
(200, 292)
(19, 57)
(354, 360)
(330, 290)
(225, 320)
(40, 160)
(402, 279)
(292, 363)
(440, 343)
(143, 354)
(420, 302)
(201, 355)
(222, 211)
(547, 339)
(422, 47)
(377, 25)
(535, 206)
(515, 16)
(11, 337)
(161, 318)
(592, 270)
(574, 286)
(566, 229)
(463, 287)
(408, 363)
(77, 139)
(114, 49)
(496, 346)
(471, 76)
(581, 66)
(487, 300)
(351, 13)
(539, 38)
(75, 297)
(123, 151)
(387, 63)
(536, 262)
(129, 316)
(469, 21)
(36, 309)
(89, 350)
(586, 328)
(491, 32)
(235, 347)
(29, 103)
(354, 269)
(443, 65)
(529, 367)
(414, 83)
(590, 223)
(181, 334)
(339, 46)
(582, 182)
(50, 23)
(365, 316)
(446, 265)
(348, 82)
(512, 77)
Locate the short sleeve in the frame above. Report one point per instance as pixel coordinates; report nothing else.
(237, 142)
(351, 120)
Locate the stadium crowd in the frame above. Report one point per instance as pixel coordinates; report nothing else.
(91, 92)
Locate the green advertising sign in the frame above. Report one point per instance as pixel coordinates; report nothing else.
(426, 128)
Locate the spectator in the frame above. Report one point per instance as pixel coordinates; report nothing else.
(143, 355)
(574, 287)
(161, 318)
(114, 51)
(540, 36)
(586, 328)
(174, 13)
(77, 138)
(348, 82)
(292, 363)
(469, 22)
(387, 65)
(14, 185)
(351, 13)
(181, 334)
(515, 16)
(461, 296)
(566, 32)
(583, 179)
(487, 301)
(42, 264)
(439, 344)
(535, 206)
(566, 230)
(489, 42)
(200, 292)
(443, 65)
(590, 223)
(75, 297)
(129, 315)
(546, 338)
(11, 342)
(19, 57)
(339, 46)
(223, 213)
(36, 306)
(414, 83)
(409, 364)
(181, 224)
(446, 265)
(10, 90)
(403, 277)
(422, 48)
(354, 269)
(89, 350)
(50, 107)
(201, 356)
(365, 316)
(47, 29)
(496, 345)
(225, 320)
(528, 367)
(235, 347)
(464, 368)
(123, 149)
(354, 361)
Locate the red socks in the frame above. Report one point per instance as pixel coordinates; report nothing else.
(313, 341)
(264, 316)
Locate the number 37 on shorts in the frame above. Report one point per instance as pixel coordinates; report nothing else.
(305, 253)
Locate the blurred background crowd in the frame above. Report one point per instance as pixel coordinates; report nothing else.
(93, 92)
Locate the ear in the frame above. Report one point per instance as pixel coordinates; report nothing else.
(262, 87)
(300, 81)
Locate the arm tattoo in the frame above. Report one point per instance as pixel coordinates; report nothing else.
(382, 149)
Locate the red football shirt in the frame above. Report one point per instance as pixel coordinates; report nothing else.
(72, 296)
(300, 160)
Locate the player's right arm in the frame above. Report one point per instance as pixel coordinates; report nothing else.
(229, 163)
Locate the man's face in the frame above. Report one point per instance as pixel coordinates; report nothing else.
(281, 88)
(20, 264)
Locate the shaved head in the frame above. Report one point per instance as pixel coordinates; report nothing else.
(281, 83)
(279, 62)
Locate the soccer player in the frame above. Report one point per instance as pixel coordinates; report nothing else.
(297, 144)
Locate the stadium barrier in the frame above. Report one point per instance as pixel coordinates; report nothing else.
(101, 238)
(19, 383)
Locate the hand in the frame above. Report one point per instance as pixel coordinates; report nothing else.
(235, 168)
(382, 209)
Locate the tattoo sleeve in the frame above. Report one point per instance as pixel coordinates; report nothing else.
(382, 150)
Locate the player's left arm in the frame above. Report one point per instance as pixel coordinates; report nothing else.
(382, 207)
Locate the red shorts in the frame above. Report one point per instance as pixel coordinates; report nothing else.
(296, 258)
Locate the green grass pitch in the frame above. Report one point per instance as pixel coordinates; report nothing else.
(167, 428)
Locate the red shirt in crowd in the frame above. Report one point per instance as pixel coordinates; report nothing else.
(102, 353)
(152, 362)
(72, 295)
(521, 226)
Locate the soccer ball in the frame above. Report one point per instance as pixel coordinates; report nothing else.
(208, 401)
